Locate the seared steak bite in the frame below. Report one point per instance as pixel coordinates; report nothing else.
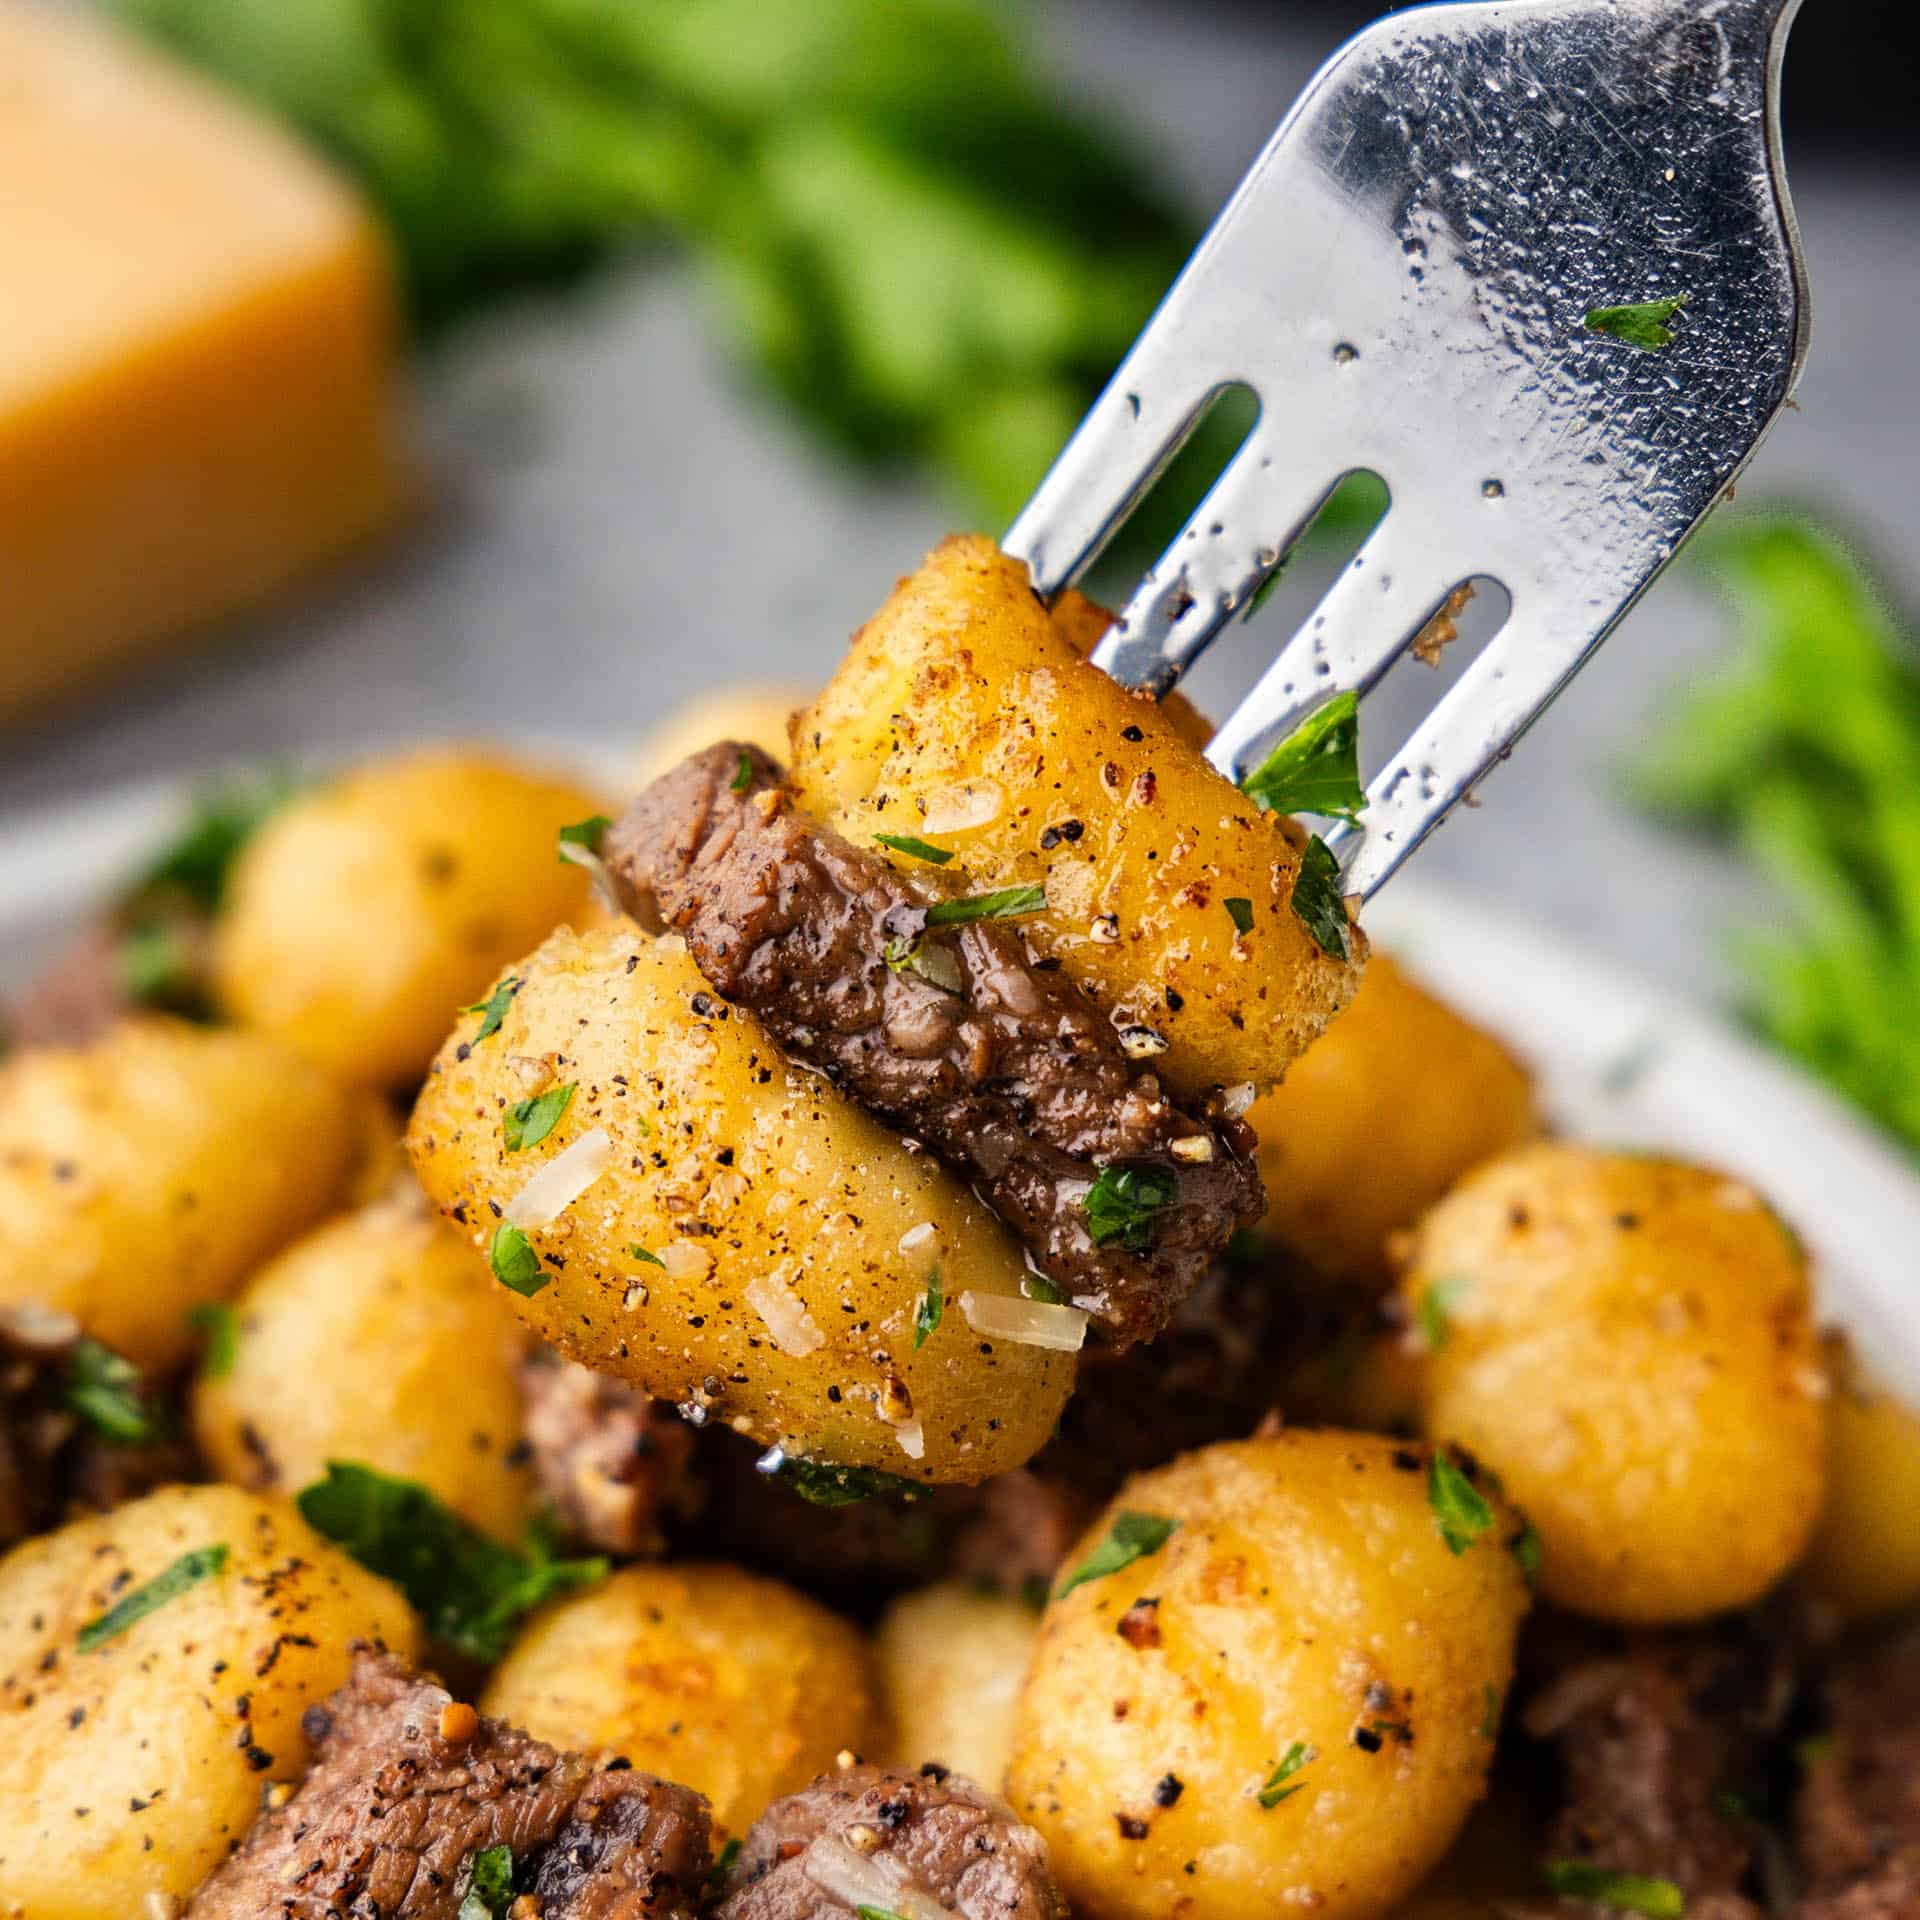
(608, 1458)
(409, 1787)
(913, 1844)
(1858, 1817)
(962, 1039)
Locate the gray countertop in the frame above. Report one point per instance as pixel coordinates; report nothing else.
(586, 568)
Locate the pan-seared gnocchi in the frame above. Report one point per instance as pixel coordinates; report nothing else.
(963, 715)
(150, 1172)
(1270, 1680)
(367, 910)
(155, 1663)
(728, 1232)
(1628, 1341)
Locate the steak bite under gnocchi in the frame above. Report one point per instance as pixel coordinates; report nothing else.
(953, 1037)
(414, 1801)
(866, 1840)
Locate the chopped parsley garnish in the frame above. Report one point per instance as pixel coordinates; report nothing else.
(1434, 1311)
(652, 1259)
(1004, 903)
(527, 1122)
(1458, 1505)
(1133, 1536)
(1121, 1203)
(156, 966)
(108, 1393)
(935, 962)
(1240, 912)
(1640, 323)
(1525, 1548)
(742, 774)
(225, 817)
(1036, 1286)
(723, 1864)
(515, 1264)
(824, 1484)
(221, 1328)
(586, 833)
(1316, 768)
(875, 1913)
(1318, 901)
(1623, 1892)
(490, 1886)
(202, 1563)
(470, 1589)
(918, 849)
(494, 1007)
(926, 1316)
(1276, 1788)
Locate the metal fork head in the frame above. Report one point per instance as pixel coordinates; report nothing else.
(1403, 280)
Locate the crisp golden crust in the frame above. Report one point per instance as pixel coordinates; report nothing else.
(964, 714)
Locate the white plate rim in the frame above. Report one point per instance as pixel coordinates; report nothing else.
(1621, 1061)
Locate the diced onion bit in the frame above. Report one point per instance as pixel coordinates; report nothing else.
(912, 1435)
(1027, 1323)
(859, 1880)
(786, 1316)
(597, 871)
(562, 1181)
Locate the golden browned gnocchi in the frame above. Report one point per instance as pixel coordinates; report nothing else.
(1864, 1560)
(136, 1754)
(1270, 1681)
(726, 1682)
(153, 1170)
(952, 1658)
(1378, 1118)
(1628, 1342)
(964, 714)
(725, 1230)
(362, 915)
(403, 1349)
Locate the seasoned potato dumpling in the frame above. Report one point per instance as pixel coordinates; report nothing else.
(755, 1244)
(952, 1658)
(1627, 1342)
(155, 1169)
(723, 1681)
(1378, 1118)
(963, 714)
(130, 1768)
(1865, 1558)
(360, 917)
(382, 1338)
(1287, 1706)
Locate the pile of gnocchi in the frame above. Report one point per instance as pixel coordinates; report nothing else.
(444, 1213)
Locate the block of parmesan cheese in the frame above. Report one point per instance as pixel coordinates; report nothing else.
(198, 400)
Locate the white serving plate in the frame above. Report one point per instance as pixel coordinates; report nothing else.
(1620, 1062)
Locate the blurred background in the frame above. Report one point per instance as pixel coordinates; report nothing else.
(642, 343)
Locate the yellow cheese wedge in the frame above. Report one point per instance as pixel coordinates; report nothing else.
(197, 351)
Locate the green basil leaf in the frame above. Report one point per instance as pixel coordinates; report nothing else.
(1005, 903)
(493, 1008)
(1458, 1505)
(918, 849)
(1240, 912)
(490, 1885)
(108, 1393)
(742, 774)
(515, 1264)
(1121, 1203)
(1316, 768)
(1318, 901)
(824, 1484)
(926, 1316)
(1640, 323)
(588, 833)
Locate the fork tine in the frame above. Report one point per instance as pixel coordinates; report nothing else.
(1137, 425)
(1251, 518)
(1388, 591)
(1493, 703)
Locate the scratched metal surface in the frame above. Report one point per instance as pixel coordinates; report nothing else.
(1402, 280)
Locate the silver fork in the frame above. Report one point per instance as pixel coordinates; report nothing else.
(1403, 280)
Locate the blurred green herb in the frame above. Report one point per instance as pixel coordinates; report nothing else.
(823, 1483)
(108, 1393)
(911, 238)
(470, 1589)
(1804, 753)
(1640, 323)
